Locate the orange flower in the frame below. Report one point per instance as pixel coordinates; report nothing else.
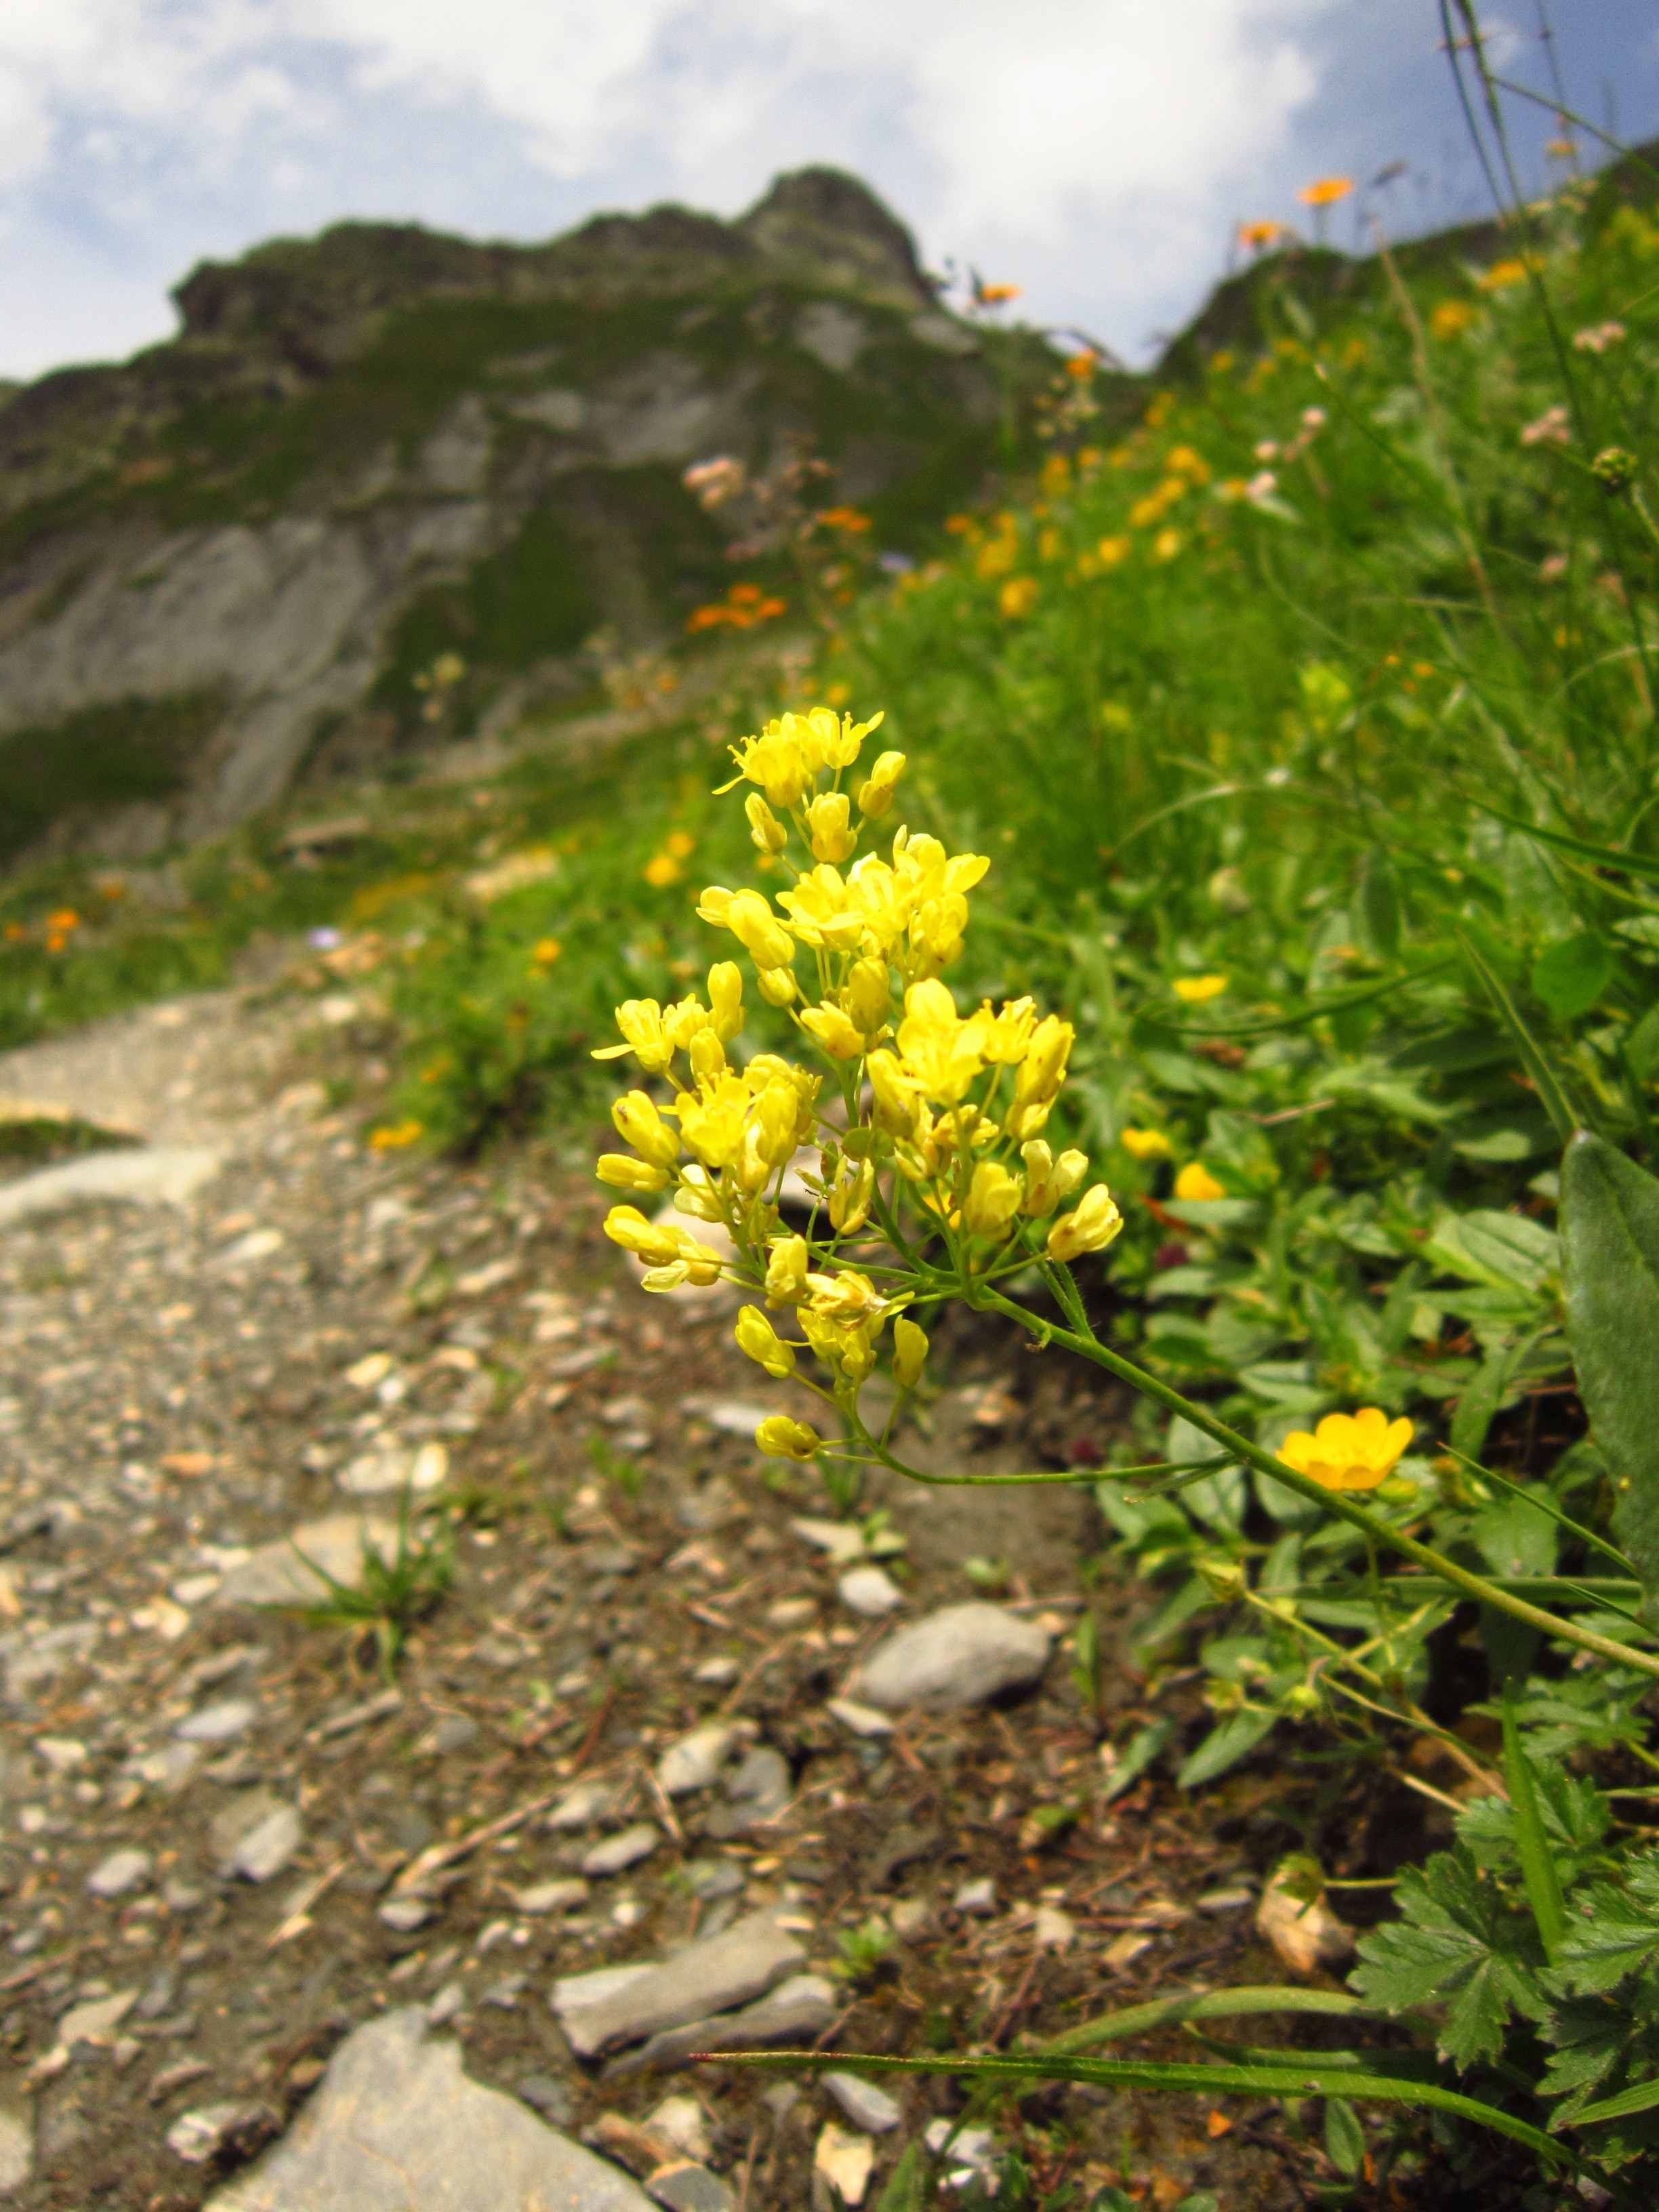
(1195, 1182)
(995, 295)
(1348, 1451)
(397, 1137)
(1258, 236)
(1325, 191)
(844, 518)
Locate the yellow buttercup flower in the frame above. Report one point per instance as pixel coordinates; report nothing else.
(1145, 1144)
(1197, 989)
(1348, 1451)
(1195, 1181)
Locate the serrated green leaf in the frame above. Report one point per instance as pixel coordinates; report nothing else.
(1574, 1814)
(1611, 1932)
(1457, 1944)
(1610, 1239)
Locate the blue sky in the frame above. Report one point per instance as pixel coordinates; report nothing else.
(1099, 153)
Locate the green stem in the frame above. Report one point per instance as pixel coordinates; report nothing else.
(1333, 1501)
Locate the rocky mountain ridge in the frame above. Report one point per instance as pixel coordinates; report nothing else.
(384, 451)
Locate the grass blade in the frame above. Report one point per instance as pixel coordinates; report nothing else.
(1538, 1867)
(1555, 1101)
(1603, 856)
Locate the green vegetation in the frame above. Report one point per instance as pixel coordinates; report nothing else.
(97, 758)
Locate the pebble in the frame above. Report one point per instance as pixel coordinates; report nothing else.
(16, 2149)
(844, 2161)
(1053, 1929)
(759, 1791)
(550, 1897)
(976, 1897)
(1306, 1937)
(377, 1474)
(690, 2188)
(973, 2151)
(870, 1591)
(1226, 1900)
(710, 1879)
(843, 1540)
(744, 1962)
(682, 2123)
(548, 2098)
(864, 2104)
(581, 1807)
(217, 1724)
(863, 1720)
(449, 2001)
(266, 1850)
(96, 2020)
(277, 1574)
(797, 2011)
(213, 2130)
(404, 1915)
(718, 1674)
(696, 1760)
(735, 1417)
(792, 1612)
(395, 2121)
(625, 1849)
(912, 1918)
(454, 1732)
(960, 1656)
(120, 1872)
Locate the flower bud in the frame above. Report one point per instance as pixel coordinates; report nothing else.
(909, 1353)
(829, 827)
(726, 997)
(638, 1123)
(750, 920)
(695, 1195)
(833, 1031)
(627, 1226)
(764, 827)
(850, 1196)
(875, 796)
(993, 1200)
(756, 1336)
(1089, 1227)
(708, 1056)
(787, 1271)
(623, 1172)
(779, 1437)
(896, 1099)
(777, 985)
(867, 996)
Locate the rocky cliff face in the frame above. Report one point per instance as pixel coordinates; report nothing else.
(233, 555)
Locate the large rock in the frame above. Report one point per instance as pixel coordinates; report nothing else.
(962, 1656)
(157, 1175)
(703, 1979)
(396, 2126)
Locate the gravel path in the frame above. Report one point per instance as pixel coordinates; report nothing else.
(229, 1845)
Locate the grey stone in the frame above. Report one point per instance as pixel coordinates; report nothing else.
(581, 1807)
(16, 2149)
(157, 1175)
(690, 2188)
(454, 1732)
(551, 1897)
(696, 1760)
(396, 2126)
(218, 1723)
(959, 1656)
(864, 2104)
(122, 1872)
(625, 1849)
(577, 1996)
(247, 1811)
(869, 1590)
(449, 2001)
(96, 2020)
(759, 1791)
(708, 1879)
(744, 1963)
(912, 1918)
(277, 1574)
(267, 1849)
(797, 2011)
(976, 1897)
(548, 2098)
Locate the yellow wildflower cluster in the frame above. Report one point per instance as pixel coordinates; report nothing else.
(927, 1108)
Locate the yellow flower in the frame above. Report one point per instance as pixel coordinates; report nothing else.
(1348, 1451)
(787, 1271)
(1166, 545)
(764, 827)
(1018, 597)
(647, 1239)
(940, 1052)
(1048, 1180)
(993, 1200)
(545, 951)
(1196, 1182)
(909, 1353)
(1503, 273)
(1111, 550)
(779, 1437)
(1089, 1227)
(875, 796)
(1325, 191)
(394, 1138)
(638, 1123)
(661, 869)
(850, 1196)
(640, 1023)
(833, 1031)
(623, 1172)
(1008, 1034)
(1145, 1144)
(829, 825)
(868, 997)
(1452, 318)
(776, 984)
(726, 997)
(756, 1336)
(1197, 989)
(1041, 1074)
(846, 1296)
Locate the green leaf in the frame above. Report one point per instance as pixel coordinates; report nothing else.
(1379, 904)
(1574, 1814)
(1144, 1746)
(1611, 1932)
(1550, 1092)
(1457, 1944)
(1641, 1045)
(1568, 978)
(1225, 1746)
(1532, 1843)
(1344, 2137)
(1640, 2098)
(1499, 1249)
(1610, 1238)
(907, 2185)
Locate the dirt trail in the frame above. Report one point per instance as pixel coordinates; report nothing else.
(225, 1843)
